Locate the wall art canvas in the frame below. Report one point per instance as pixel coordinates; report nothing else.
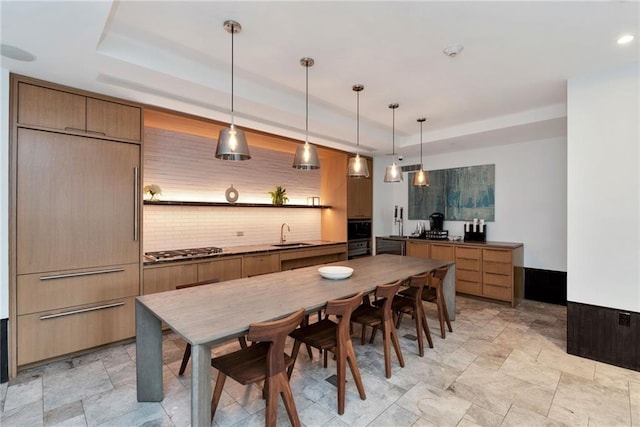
(461, 194)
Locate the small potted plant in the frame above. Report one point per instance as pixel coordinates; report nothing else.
(153, 190)
(279, 196)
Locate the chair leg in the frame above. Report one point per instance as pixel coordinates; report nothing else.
(185, 359)
(294, 356)
(440, 312)
(271, 413)
(355, 371)
(363, 338)
(400, 314)
(387, 350)
(243, 342)
(341, 372)
(374, 330)
(445, 310)
(396, 345)
(325, 357)
(217, 392)
(287, 399)
(425, 326)
(418, 319)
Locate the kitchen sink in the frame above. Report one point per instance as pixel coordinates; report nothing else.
(291, 245)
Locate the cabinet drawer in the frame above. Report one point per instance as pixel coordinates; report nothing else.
(254, 265)
(220, 269)
(50, 334)
(497, 279)
(468, 264)
(166, 278)
(465, 287)
(468, 253)
(442, 252)
(496, 292)
(497, 255)
(50, 291)
(496, 267)
(471, 276)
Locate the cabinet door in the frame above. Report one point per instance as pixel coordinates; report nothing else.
(113, 120)
(254, 265)
(418, 249)
(166, 278)
(442, 252)
(220, 269)
(55, 109)
(360, 196)
(77, 202)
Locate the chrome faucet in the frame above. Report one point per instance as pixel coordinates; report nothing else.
(282, 238)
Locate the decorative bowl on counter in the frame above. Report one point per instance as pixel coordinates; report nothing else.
(335, 272)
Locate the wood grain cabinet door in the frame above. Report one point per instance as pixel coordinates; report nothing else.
(77, 202)
(113, 120)
(55, 109)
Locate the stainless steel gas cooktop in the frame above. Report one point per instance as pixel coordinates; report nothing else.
(182, 253)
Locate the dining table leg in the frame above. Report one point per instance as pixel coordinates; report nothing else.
(200, 385)
(148, 355)
(449, 291)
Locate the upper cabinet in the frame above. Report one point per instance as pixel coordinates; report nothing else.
(68, 112)
(360, 195)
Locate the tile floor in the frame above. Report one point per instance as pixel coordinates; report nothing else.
(500, 367)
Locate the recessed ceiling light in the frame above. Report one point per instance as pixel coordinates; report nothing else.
(452, 51)
(16, 53)
(627, 38)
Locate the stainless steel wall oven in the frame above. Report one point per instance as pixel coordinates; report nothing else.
(359, 238)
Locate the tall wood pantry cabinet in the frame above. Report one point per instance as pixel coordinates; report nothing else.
(75, 220)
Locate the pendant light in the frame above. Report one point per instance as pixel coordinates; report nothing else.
(393, 173)
(232, 144)
(421, 178)
(358, 167)
(306, 157)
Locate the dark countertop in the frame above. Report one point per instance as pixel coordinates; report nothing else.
(246, 250)
(489, 244)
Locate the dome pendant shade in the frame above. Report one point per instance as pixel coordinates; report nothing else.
(358, 167)
(421, 178)
(393, 173)
(306, 157)
(232, 144)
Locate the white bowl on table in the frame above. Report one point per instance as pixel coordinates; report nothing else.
(335, 272)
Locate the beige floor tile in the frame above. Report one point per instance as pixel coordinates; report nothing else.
(567, 363)
(517, 417)
(577, 398)
(521, 365)
(634, 399)
(613, 376)
(477, 416)
(441, 407)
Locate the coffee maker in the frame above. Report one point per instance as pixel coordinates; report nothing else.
(436, 221)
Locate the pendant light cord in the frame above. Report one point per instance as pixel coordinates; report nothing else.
(306, 141)
(393, 134)
(358, 123)
(421, 162)
(232, 31)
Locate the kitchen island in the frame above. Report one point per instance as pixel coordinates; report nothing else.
(208, 315)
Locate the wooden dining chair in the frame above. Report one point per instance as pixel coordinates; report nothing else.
(381, 317)
(187, 350)
(328, 335)
(432, 292)
(264, 360)
(412, 304)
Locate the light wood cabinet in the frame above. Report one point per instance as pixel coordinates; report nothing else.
(76, 202)
(360, 195)
(419, 249)
(50, 108)
(468, 270)
(254, 265)
(75, 220)
(497, 275)
(443, 252)
(220, 269)
(163, 278)
(299, 258)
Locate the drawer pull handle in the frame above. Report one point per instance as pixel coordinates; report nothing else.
(74, 129)
(83, 273)
(84, 310)
(96, 132)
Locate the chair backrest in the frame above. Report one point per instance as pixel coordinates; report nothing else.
(387, 293)
(275, 332)
(418, 282)
(342, 308)
(440, 273)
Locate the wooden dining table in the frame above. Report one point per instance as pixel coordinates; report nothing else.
(212, 314)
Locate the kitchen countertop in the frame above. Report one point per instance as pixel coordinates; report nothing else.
(246, 250)
(506, 245)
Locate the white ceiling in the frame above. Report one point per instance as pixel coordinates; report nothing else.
(507, 85)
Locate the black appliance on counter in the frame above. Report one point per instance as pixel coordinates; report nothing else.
(358, 238)
(436, 221)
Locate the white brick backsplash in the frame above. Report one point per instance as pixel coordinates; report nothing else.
(185, 168)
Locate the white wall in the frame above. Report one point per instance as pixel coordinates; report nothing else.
(604, 189)
(4, 193)
(530, 197)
